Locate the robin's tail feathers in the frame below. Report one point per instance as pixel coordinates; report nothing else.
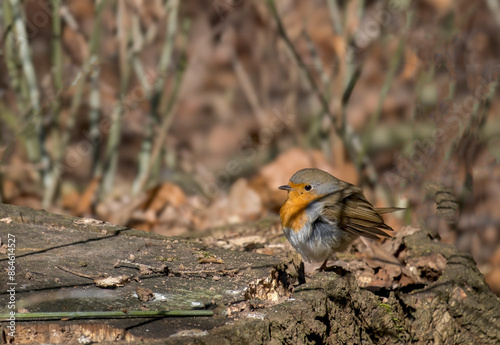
(384, 210)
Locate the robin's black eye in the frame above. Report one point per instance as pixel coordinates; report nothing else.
(308, 187)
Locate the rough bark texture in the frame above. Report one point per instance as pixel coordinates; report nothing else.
(452, 305)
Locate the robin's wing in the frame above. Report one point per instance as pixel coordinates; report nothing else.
(355, 214)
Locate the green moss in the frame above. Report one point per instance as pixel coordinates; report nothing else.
(397, 322)
(386, 307)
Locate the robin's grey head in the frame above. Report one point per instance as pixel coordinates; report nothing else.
(313, 180)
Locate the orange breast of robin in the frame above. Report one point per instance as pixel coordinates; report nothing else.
(293, 212)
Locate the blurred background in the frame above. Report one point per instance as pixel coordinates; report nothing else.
(183, 117)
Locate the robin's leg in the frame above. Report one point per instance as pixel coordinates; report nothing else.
(323, 266)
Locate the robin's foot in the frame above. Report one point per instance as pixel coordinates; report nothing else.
(323, 266)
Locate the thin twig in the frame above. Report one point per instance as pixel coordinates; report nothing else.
(346, 96)
(162, 270)
(350, 139)
(394, 64)
(35, 144)
(333, 7)
(110, 162)
(25, 56)
(95, 99)
(127, 263)
(79, 82)
(249, 90)
(169, 112)
(323, 126)
(62, 268)
(156, 97)
(298, 59)
(57, 84)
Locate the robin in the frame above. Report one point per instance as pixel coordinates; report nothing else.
(323, 215)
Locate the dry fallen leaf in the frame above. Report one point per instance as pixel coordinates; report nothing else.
(244, 201)
(144, 294)
(7, 220)
(210, 260)
(111, 282)
(86, 199)
(167, 193)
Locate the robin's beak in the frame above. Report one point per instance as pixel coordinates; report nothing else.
(285, 187)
